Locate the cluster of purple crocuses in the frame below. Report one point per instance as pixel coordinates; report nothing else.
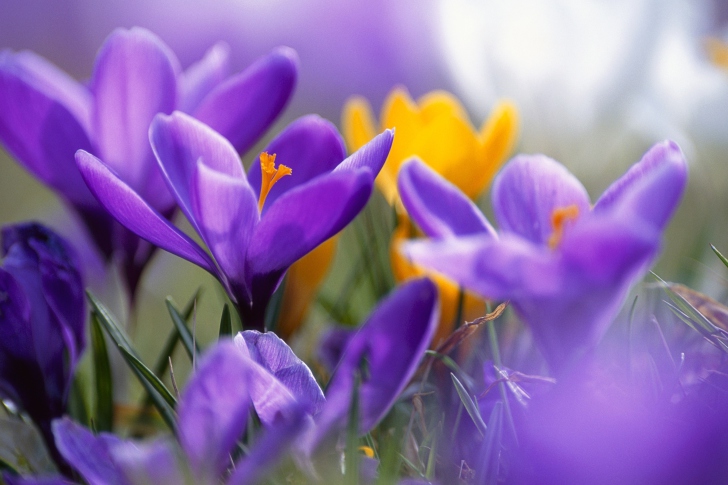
(545, 405)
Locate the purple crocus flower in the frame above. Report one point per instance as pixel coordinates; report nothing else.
(42, 315)
(46, 116)
(213, 413)
(566, 266)
(257, 225)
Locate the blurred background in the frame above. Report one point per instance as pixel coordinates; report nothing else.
(596, 83)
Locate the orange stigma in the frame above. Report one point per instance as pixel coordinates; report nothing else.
(270, 175)
(559, 217)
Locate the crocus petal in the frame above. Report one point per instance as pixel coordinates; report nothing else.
(268, 350)
(200, 78)
(266, 451)
(133, 212)
(243, 107)
(156, 462)
(87, 453)
(504, 268)
(310, 146)
(179, 141)
(134, 79)
(372, 155)
(527, 191)
(226, 212)
(388, 348)
(652, 187)
(213, 410)
(303, 218)
(437, 206)
(40, 123)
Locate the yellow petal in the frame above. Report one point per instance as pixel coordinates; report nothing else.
(440, 103)
(717, 52)
(357, 123)
(302, 283)
(498, 134)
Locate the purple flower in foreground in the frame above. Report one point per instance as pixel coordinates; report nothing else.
(565, 266)
(42, 314)
(46, 116)
(257, 225)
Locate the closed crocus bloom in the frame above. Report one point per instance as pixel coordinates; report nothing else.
(564, 265)
(437, 130)
(300, 193)
(45, 116)
(42, 315)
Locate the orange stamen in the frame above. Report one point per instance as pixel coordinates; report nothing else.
(270, 175)
(559, 217)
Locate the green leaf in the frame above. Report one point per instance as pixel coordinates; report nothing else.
(273, 310)
(149, 376)
(719, 254)
(470, 406)
(22, 448)
(184, 331)
(226, 322)
(351, 463)
(77, 406)
(104, 406)
(492, 446)
(123, 343)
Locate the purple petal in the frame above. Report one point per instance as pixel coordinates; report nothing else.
(310, 146)
(242, 108)
(306, 216)
(268, 350)
(213, 410)
(87, 453)
(156, 462)
(269, 449)
(179, 142)
(42, 118)
(203, 76)
(134, 213)
(332, 344)
(651, 188)
(527, 191)
(392, 342)
(504, 268)
(372, 155)
(134, 79)
(226, 212)
(436, 205)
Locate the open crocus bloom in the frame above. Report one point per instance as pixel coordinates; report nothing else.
(437, 130)
(45, 116)
(565, 266)
(257, 225)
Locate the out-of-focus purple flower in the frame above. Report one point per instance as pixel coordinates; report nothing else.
(384, 353)
(594, 428)
(255, 226)
(42, 315)
(46, 116)
(332, 345)
(213, 413)
(566, 266)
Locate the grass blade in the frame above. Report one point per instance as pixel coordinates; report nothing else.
(470, 406)
(185, 334)
(104, 405)
(226, 322)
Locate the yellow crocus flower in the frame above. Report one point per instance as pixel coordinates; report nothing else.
(436, 129)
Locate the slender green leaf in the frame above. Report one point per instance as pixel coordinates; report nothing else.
(77, 403)
(719, 254)
(22, 448)
(490, 456)
(273, 310)
(226, 322)
(104, 405)
(470, 406)
(351, 457)
(184, 331)
(123, 343)
(149, 377)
